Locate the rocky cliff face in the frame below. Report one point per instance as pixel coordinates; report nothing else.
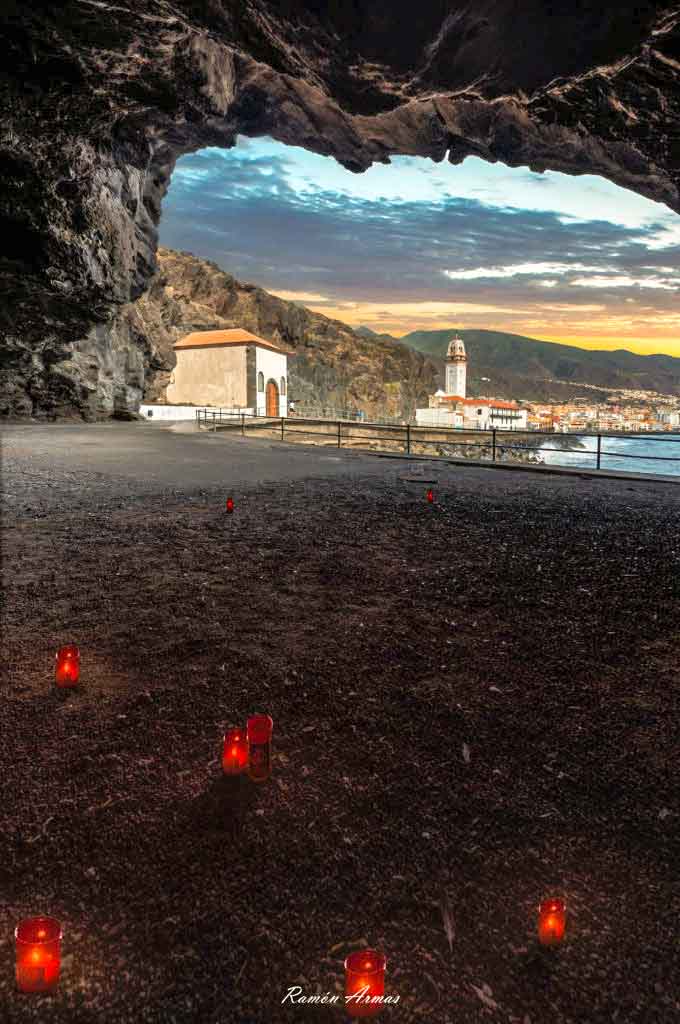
(98, 100)
(332, 366)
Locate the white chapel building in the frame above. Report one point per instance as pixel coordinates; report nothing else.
(231, 369)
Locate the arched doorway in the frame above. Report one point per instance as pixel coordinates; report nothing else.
(272, 398)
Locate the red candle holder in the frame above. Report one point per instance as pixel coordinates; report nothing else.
(38, 954)
(67, 672)
(364, 982)
(235, 752)
(230, 504)
(552, 915)
(430, 495)
(260, 747)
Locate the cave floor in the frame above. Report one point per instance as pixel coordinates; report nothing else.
(474, 702)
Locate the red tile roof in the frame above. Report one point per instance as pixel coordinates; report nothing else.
(480, 401)
(232, 336)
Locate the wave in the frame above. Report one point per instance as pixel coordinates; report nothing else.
(637, 454)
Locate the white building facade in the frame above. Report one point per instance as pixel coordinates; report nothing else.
(487, 414)
(456, 368)
(271, 366)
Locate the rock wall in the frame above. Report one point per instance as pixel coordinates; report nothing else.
(98, 100)
(333, 367)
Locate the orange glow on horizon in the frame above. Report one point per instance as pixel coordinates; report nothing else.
(592, 327)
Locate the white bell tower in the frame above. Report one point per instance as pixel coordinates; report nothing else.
(456, 368)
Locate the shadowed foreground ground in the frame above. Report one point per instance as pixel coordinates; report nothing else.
(532, 619)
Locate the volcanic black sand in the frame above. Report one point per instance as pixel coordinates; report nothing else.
(474, 701)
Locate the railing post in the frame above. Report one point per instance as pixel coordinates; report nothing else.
(493, 443)
(338, 433)
(282, 428)
(599, 450)
(408, 438)
(243, 424)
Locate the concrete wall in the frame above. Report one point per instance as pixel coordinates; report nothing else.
(272, 365)
(211, 375)
(438, 418)
(181, 412)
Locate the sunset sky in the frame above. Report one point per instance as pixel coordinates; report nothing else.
(419, 246)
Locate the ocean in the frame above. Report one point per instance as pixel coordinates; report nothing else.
(616, 454)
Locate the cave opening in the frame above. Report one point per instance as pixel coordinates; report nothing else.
(414, 247)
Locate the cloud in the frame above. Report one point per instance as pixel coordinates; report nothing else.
(621, 281)
(305, 297)
(527, 269)
(418, 262)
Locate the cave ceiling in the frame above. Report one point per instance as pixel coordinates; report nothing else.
(100, 99)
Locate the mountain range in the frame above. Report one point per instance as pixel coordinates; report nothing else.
(533, 370)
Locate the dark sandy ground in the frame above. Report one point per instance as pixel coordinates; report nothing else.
(529, 622)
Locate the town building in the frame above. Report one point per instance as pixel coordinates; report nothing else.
(230, 369)
(488, 413)
(451, 408)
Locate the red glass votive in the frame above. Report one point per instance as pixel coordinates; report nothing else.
(235, 752)
(260, 747)
(551, 922)
(67, 671)
(430, 495)
(364, 981)
(230, 504)
(38, 954)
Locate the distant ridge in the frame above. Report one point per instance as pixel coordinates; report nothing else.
(366, 332)
(519, 367)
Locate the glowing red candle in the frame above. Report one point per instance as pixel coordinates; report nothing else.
(551, 922)
(68, 666)
(230, 504)
(430, 495)
(235, 752)
(260, 747)
(38, 954)
(364, 981)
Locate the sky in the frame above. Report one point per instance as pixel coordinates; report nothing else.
(416, 245)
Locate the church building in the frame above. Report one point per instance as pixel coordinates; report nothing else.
(451, 408)
(446, 407)
(231, 369)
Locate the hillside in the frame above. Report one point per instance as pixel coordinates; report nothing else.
(520, 367)
(333, 367)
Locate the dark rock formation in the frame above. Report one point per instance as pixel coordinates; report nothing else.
(97, 101)
(333, 367)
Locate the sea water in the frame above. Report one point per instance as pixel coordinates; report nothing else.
(646, 453)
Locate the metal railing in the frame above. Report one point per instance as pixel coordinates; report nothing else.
(409, 435)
